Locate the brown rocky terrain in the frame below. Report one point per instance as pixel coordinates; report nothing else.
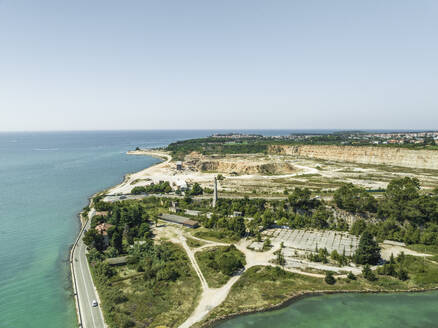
(424, 159)
(244, 167)
(238, 164)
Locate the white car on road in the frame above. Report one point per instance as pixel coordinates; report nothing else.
(94, 303)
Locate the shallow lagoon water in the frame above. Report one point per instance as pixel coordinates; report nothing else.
(404, 310)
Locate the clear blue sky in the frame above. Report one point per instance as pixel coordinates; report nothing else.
(103, 64)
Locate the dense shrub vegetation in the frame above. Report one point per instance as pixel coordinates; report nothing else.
(159, 188)
(404, 214)
(354, 199)
(220, 263)
(158, 285)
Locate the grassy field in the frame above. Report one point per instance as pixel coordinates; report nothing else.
(131, 300)
(264, 287)
(194, 243)
(221, 236)
(161, 303)
(210, 268)
(428, 249)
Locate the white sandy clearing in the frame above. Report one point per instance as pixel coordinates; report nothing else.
(165, 171)
(387, 250)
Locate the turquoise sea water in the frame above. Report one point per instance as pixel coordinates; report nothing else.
(45, 180)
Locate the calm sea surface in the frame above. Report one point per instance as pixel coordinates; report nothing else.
(45, 180)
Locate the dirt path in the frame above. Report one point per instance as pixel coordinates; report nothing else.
(210, 297)
(213, 297)
(191, 255)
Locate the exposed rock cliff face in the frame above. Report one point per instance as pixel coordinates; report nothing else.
(244, 167)
(425, 159)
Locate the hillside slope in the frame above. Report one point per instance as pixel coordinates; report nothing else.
(425, 159)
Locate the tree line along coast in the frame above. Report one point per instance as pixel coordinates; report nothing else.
(150, 272)
(236, 143)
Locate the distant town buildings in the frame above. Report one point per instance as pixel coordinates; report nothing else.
(348, 137)
(236, 135)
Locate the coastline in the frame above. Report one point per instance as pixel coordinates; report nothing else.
(165, 158)
(290, 299)
(161, 154)
(302, 295)
(84, 219)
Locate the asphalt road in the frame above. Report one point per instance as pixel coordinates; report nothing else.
(92, 317)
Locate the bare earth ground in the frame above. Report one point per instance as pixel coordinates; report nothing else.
(387, 250)
(268, 174)
(265, 174)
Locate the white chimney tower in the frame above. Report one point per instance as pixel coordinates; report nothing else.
(215, 192)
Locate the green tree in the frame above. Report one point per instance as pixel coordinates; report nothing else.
(237, 225)
(144, 231)
(187, 199)
(138, 190)
(368, 251)
(358, 227)
(229, 263)
(94, 239)
(280, 258)
(400, 199)
(104, 270)
(368, 274)
(329, 278)
(267, 244)
(117, 241)
(300, 199)
(354, 199)
(195, 190)
(320, 218)
(402, 274)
